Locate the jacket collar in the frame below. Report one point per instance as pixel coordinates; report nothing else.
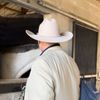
(56, 44)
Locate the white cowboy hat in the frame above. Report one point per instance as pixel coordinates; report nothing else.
(48, 32)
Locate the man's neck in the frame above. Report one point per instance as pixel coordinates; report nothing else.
(56, 44)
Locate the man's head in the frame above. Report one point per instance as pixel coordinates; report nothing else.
(49, 34)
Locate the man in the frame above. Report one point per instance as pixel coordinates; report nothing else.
(54, 75)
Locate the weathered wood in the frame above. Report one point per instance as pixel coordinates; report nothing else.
(13, 81)
(88, 10)
(11, 85)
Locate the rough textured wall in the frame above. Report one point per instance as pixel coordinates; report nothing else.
(86, 9)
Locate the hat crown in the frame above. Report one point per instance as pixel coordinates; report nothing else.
(49, 32)
(48, 27)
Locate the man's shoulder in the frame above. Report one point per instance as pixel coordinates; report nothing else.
(38, 61)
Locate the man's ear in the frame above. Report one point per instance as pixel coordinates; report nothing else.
(42, 45)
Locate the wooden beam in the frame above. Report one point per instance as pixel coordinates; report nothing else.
(5, 4)
(8, 8)
(13, 81)
(33, 6)
(22, 11)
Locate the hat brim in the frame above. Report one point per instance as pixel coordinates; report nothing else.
(66, 37)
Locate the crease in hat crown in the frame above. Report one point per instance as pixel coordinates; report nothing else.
(48, 27)
(48, 32)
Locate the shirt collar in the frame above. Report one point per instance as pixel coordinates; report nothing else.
(56, 44)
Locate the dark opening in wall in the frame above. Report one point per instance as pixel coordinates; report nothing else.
(12, 30)
(85, 48)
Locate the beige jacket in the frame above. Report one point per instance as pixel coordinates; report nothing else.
(54, 76)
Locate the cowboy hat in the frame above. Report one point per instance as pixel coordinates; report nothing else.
(48, 32)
